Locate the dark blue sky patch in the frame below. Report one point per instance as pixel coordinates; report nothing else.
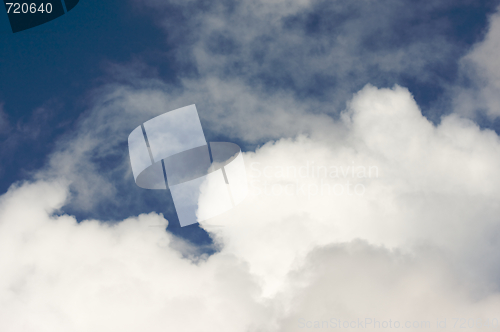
(62, 59)
(57, 63)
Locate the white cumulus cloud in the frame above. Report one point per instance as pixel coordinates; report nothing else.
(418, 243)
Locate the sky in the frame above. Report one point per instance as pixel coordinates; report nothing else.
(369, 131)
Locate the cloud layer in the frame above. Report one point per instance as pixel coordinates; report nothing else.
(359, 206)
(403, 250)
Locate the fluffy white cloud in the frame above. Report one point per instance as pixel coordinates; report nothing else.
(413, 184)
(60, 275)
(417, 243)
(369, 288)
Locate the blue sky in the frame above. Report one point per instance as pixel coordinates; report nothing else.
(409, 86)
(55, 66)
(60, 62)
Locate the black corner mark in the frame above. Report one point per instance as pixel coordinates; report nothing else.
(26, 14)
